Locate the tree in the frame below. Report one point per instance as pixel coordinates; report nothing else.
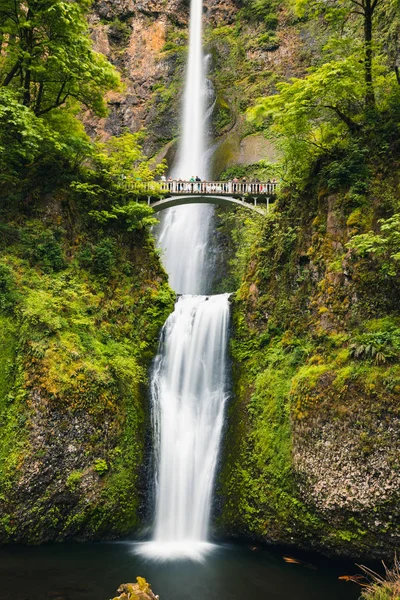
(366, 9)
(47, 55)
(104, 187)
(310, 116)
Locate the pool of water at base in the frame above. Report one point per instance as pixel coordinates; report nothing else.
(93, 571)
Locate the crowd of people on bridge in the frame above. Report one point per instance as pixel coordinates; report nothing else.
(196, 185)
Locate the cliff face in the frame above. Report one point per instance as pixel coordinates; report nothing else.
(312, 446)
(312, 443)
(80, 319)
(147, 42)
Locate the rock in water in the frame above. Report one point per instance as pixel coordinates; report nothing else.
(136, 591)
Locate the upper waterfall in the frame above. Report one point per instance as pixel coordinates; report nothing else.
(183, 233)
(191, 152)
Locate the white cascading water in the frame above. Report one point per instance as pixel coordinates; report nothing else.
(189, 394)
(188, 387)
(184, 231)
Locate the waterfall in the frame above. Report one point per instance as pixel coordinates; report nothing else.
(184, 231)
(189, 392)
(188, 388)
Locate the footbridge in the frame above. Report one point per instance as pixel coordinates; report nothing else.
(256, 196)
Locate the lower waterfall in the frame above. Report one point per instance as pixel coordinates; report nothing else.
(189, 392)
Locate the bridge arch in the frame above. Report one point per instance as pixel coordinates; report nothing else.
(182, 199)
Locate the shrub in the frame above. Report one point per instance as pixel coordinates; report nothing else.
(386, 587)
(104, 258)
(73, 480)
(100, 466)
(8, 293)
(42, 248)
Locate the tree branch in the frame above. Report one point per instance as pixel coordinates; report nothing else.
(12, 73)
(360, 4)
(53, 106)
(352, 125)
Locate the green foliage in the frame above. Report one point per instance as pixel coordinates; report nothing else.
(268, 41)
(8, 345)
(383, 346)
(264, 11)
(22, 137)
(104, 257)
(383, 247)
(8, 290)
(49, 57)
(130, 217)
(106, 186)
(347, 167)
(100, 466)
(81, 346)
(119, 31)
(42, 247)
(386, 587)
(329, 121)
(73, 480)
(259, 485)
(48, 70)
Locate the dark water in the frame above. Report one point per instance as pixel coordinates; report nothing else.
(231, 572)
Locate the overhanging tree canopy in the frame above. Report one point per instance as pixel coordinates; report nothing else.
(47, 55)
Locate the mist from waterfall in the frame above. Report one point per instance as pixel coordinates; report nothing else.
(188, 387)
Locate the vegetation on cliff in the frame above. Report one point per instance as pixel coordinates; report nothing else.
(313, 438)
(312, 450)
(82, 292)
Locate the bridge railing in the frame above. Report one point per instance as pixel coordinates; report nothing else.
(231, 188)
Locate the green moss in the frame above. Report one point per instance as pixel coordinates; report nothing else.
(76, 344)
(8, 352)
(315, 350)
(73, 480)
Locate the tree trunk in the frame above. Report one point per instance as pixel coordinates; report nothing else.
(27, 88)
(27, 45)
(369, 92)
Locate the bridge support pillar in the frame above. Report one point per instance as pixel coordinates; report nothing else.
(148, 200)
(267, 203)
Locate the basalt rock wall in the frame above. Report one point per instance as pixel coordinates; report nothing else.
(147, 42)
(311, 454)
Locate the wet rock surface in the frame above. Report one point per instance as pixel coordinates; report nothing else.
(346, 458)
